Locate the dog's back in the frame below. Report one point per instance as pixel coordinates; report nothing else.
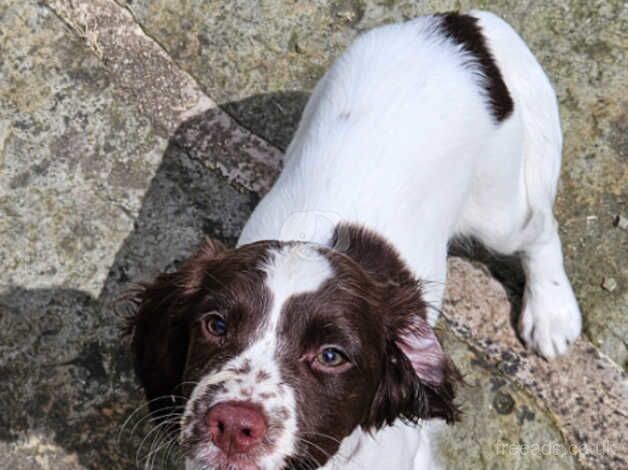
(420, 131)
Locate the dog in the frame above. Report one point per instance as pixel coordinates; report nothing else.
(311, 344)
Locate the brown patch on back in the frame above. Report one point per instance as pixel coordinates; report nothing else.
(465, 31)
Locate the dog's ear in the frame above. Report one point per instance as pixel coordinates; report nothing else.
(418, 379)
(160, 329)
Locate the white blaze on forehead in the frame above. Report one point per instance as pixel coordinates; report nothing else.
(290, 270)
(293, 270)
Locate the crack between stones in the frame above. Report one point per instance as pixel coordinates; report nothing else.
(92, 45)
(74, 28)
(192, 76)
(234, 184)
(80, 30)
(542, 405)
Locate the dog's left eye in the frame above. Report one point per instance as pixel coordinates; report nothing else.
(214, 325)
(331, 357)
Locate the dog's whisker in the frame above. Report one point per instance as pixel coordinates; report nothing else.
(166, 442)
(157, 428)
(173, 446)
(326, 436)
(158, 443)
(316, 446)
(154, 415)
(140, 408)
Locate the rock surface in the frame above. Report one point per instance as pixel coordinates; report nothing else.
(115, 160)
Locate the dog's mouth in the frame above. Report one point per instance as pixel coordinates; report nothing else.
(207, 456)
(243, 462)
(234, 462)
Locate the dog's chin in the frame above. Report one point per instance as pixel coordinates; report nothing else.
(211, 458)
(214, 459)
(222, 462)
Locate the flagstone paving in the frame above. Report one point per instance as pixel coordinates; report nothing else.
(130, 129)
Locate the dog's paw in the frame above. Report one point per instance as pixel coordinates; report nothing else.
(550, 320)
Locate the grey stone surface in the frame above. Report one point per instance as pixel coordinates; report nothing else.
(169, 97)
(584, 394)
(114, 161)
(502, 427)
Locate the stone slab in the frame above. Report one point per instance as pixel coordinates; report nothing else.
(175, 167)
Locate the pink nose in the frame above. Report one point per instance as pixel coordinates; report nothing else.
(236, 427)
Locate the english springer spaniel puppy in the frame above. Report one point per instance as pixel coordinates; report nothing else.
(310, 345)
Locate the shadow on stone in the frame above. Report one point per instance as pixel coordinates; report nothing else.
(66, 374)
(506, 269)
(272, 116)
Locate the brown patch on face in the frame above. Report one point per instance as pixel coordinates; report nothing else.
(371, 299)
(404, 313)
(168, 344)
(364, 309)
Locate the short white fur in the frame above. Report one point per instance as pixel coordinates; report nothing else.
(397, 136)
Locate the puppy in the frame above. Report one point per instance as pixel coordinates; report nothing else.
(310, 345)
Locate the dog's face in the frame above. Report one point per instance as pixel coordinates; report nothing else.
(275, 351)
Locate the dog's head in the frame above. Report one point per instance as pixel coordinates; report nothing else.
(274, 352)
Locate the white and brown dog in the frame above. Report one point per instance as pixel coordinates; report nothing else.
(310, 345)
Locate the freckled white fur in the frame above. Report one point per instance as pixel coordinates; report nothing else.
(397, 137)
(290, 271)
(199, 389)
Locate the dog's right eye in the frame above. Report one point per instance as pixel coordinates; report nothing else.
(214, 325)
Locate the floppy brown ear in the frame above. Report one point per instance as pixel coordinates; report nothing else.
(160, 329)
(418, 380)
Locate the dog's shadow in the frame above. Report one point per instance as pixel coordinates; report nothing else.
(506, 269)
(66, 374)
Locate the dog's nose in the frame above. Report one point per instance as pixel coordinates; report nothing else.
(236, 427)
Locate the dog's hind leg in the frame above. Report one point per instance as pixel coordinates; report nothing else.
(511, 204)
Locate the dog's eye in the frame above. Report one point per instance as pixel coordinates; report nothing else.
(214, 325)
(331, 357)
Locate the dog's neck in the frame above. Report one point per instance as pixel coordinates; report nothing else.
(394, 446)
